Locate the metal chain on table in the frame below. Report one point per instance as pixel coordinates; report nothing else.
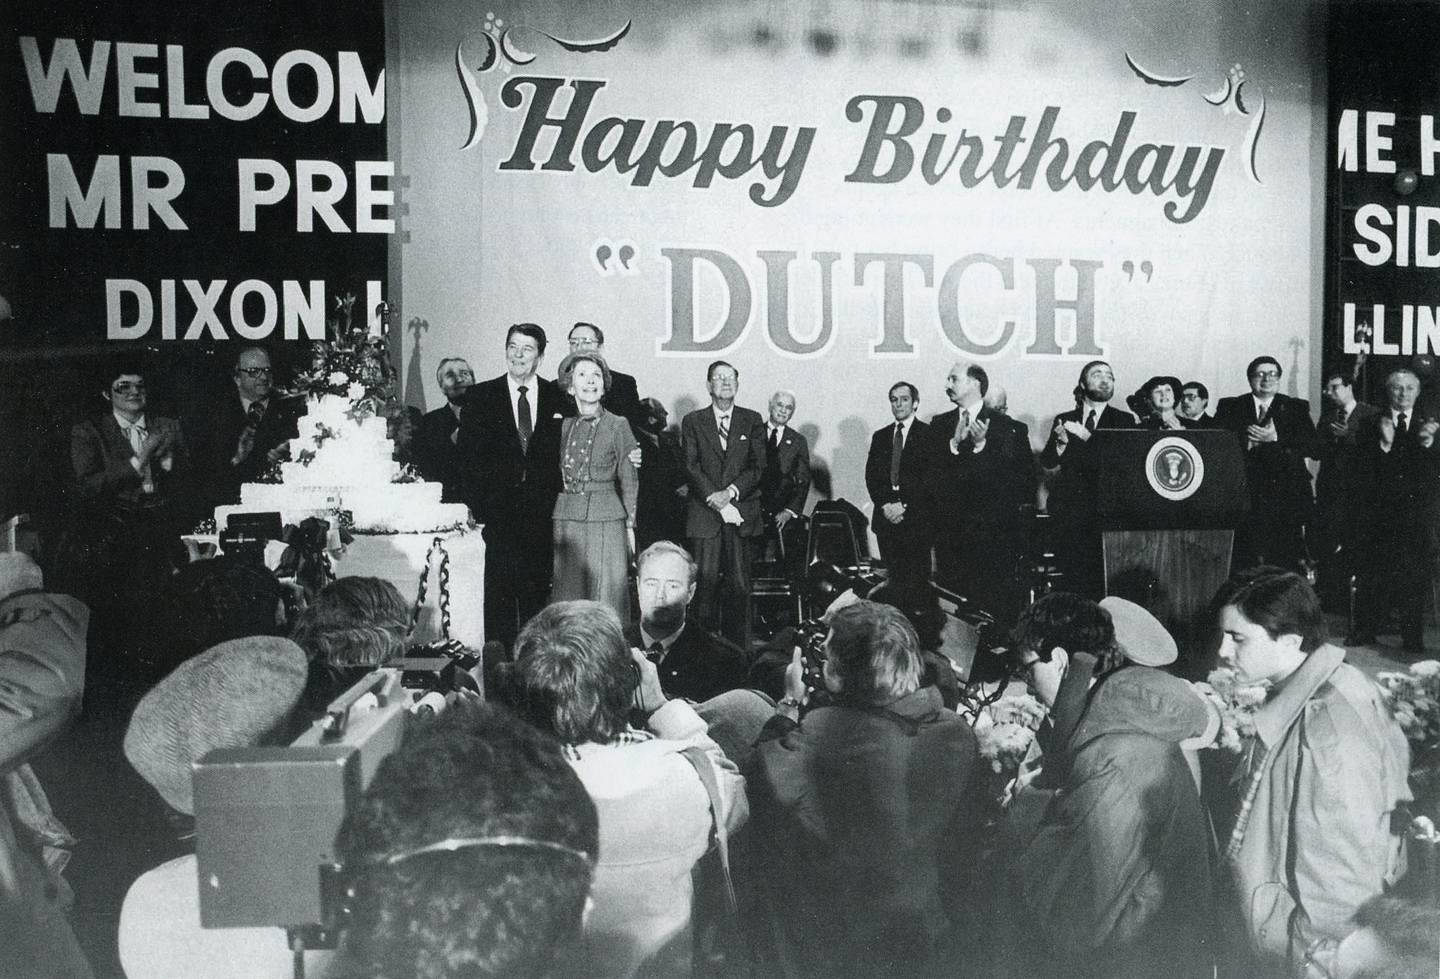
(443, 588)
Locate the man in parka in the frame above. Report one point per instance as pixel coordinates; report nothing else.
(1116, 882)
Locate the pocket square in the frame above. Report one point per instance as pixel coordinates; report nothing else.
(557, 415)
(744, 438)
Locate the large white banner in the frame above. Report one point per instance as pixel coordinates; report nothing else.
(839, 196)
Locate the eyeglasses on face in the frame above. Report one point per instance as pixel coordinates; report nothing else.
(1266, 375)
(255, 371)
(128, 387)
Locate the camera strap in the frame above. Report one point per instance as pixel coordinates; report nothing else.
(706, 770)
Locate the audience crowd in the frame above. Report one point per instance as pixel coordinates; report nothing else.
(641, 791)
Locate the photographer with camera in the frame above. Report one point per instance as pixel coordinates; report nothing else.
(471, 854)
(356, 624)
(856, 808)
(575, 677)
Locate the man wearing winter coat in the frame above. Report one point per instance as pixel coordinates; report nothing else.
(1116, 882)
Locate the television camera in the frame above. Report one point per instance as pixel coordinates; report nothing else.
(266, 818)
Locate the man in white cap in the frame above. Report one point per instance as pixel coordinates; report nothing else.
(241, 693)
(1116, 880)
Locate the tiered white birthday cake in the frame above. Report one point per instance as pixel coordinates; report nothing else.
(342, 463)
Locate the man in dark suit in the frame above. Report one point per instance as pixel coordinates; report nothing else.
(975, 474)
(434, 443)
(785, 480)
(509, 448)
(1399, 464)
(1278, 435)
(894, 471)
(692, 663)
(623, 398)
(724, 456)
(1072, 464)
(1342, 518)
(1194, 403)
(246, 433)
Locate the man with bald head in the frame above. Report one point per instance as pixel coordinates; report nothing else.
(434, 447)
(785, 480)
(1399, 461)
(976, 481)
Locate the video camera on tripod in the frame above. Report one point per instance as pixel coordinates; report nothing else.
(266, 818)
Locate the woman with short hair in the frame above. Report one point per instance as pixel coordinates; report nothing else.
(594, 530)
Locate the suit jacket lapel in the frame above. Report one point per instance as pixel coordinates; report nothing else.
(119, 442)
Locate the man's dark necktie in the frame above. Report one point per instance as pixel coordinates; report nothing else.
(656, 652)
(775, 440)
(1090, 420)
(256, 414)
(527, 424)
(1262, 416)
(896, 447)
(1400, 427)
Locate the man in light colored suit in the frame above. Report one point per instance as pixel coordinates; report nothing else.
(724, 448)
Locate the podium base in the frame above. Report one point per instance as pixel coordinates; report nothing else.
(1174, 574)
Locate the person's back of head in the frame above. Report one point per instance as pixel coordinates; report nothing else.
(874, 652)
(572, 675)
(471, 854)
(356, 621)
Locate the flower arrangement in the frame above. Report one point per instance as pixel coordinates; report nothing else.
(1237, 703)
(1414, 699)
(350, 363)
(1006, 731)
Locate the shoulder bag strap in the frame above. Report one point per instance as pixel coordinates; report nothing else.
(703, 767)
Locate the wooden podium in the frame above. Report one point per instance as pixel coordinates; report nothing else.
(1169, 503)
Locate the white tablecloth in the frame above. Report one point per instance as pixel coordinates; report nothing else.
(400, 559)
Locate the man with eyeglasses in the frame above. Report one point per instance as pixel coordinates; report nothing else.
(434, 445)
(509, 457)
(248, 432)
(129, 467)
(623, 398)
(1278, 435)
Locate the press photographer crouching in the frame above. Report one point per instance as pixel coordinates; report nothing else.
(858, 808)
(354, 625)
(915, 597)
(574, 677)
